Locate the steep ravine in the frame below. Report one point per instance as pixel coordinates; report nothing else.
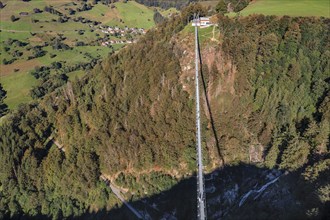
(225, 116)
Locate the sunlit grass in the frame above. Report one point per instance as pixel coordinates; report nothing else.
(18, 87)
(288, 7)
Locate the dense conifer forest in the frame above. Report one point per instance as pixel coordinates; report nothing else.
(132, 120)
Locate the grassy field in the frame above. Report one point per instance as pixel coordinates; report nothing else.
(76, 55)
(288, 7)
(135, 15)
(205, 34)
(18, 86)
(129, 14)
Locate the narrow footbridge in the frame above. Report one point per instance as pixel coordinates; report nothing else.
(117, 192)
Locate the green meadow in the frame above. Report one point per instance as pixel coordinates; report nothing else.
(18, 87)
(204, 34)
(135, 15)
(131, 14)
(288, 7)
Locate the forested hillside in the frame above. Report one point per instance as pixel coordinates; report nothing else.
(267, 87)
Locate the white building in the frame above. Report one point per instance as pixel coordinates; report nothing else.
(202, 22)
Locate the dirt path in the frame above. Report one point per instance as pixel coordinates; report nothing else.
(213, 34)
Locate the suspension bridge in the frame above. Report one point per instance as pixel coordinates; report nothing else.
(201, 200)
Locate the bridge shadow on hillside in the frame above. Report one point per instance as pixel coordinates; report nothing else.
(287, 198)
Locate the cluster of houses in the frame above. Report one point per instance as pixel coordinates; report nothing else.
(110, 42)
(117, 31)
(122, 31)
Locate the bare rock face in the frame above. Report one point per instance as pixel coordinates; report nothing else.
(256, 153)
